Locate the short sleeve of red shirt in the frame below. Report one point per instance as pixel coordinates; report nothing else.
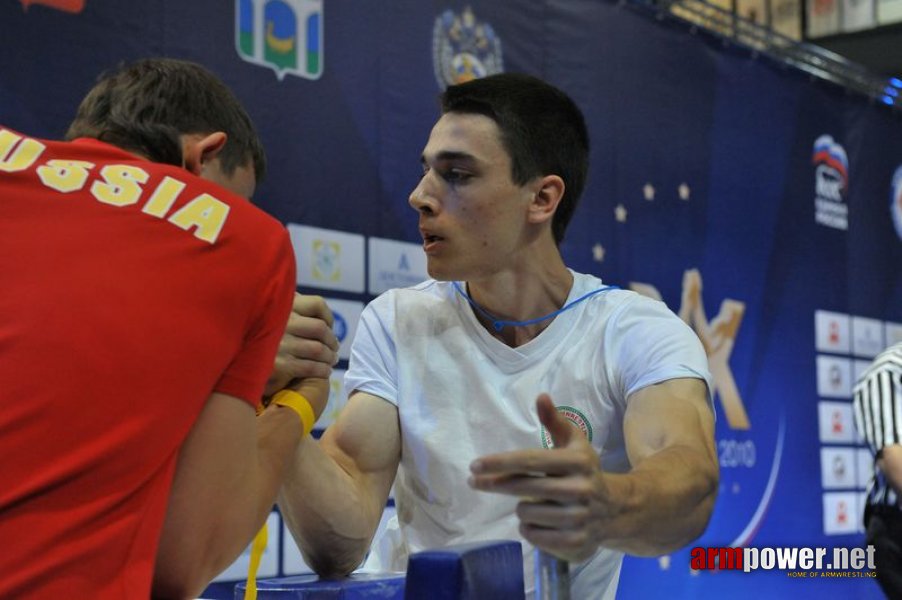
(247, 374)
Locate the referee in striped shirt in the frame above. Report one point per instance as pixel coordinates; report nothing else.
(878, 417)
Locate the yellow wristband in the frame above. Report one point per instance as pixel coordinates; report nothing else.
(298, 404)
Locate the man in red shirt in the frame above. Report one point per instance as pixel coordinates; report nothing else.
(144, 299)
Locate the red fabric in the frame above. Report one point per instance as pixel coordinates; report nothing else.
(115, 327)
(70, 6)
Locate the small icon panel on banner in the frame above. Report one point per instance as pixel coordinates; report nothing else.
(328, 259)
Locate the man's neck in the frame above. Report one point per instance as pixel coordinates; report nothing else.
(522, 295)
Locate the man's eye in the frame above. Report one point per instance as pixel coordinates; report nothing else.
(455, 175)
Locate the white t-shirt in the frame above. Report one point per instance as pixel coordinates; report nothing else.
(462, 393)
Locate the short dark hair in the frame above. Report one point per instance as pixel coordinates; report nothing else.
(146, 106)
(541, 128)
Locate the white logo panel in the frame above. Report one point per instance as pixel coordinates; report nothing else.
(834, 377)
(838, 468)
(831, 332)
(835, 424)
(395, 264)
(328, 259)
(893, 333)
(858, 369)
(867, 337)
(841, 512)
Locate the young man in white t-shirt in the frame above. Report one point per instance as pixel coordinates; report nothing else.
(460, 385)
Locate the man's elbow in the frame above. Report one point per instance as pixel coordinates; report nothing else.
(331, 566)
(698, 517)
(704, 508)
(184, 569)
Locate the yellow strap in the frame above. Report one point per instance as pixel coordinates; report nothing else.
(257, 548)
(298, 404)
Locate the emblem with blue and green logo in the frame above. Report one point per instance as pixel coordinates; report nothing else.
(283, 35)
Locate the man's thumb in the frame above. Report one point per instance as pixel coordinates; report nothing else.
(557, 424)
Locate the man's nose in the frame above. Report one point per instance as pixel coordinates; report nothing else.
(421, 199)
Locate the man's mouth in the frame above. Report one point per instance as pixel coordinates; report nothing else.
(431, 241)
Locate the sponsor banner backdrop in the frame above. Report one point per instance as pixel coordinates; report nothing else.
(893, 333)
(858, 14)
(763, 208)
(889, 11)
(834, 377)
(345, 315)
(867, 337)
(786, 18)
(753, 10)
(841, 515)
(328, 259)
(835, 422)
(838, 468)
(395, 264)
(823, 17)
(832, 331)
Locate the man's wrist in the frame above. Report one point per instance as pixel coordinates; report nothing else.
(300, 405)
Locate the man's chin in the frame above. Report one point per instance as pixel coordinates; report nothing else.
(438, 273)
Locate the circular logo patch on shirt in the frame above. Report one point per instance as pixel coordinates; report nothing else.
(575, 416)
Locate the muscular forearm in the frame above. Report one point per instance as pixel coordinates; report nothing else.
(276, 451)
(662, 504)
(330, 516)
(219, 482)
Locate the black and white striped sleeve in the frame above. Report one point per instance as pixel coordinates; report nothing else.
(878, 401)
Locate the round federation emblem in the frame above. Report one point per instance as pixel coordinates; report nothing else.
(576, 417)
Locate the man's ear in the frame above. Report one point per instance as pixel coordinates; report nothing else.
(547, 194)
(198, 148)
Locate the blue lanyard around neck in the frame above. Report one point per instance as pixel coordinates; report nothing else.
(499, 324)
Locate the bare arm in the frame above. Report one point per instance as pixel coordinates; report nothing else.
(232, 463)
(669, 494)
(228, 473)
(890, 464)
(573, 507)
(336, 489)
